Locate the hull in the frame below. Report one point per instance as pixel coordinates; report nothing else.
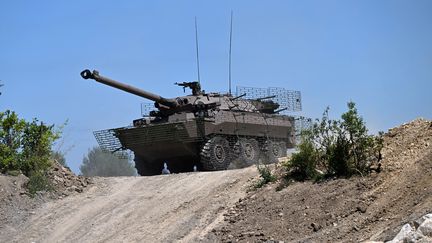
(179, 143)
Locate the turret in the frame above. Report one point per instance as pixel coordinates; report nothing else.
(171, 103)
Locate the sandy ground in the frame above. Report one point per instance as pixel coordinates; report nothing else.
(180, 207)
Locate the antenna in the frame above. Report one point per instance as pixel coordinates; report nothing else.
(229, 69)
(197, 53)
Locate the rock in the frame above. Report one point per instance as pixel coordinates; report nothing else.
(407, 234)
(426, 227)
(419, 221)
(72, 188)
(406, 229)
(315, 227)
(361, 208)
(251, 233)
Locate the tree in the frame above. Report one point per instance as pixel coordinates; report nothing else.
(99, 163)
(11, 133)
(36, 150)
(25, 146)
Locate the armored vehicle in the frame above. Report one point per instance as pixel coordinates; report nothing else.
(208, 131)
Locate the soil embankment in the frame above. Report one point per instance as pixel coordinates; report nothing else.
(348, 210)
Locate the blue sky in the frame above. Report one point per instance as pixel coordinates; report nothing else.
(376, 53)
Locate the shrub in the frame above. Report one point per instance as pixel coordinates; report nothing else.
(359, 144)
(11, 132)
(303, 163)
(265, 174)
(36, 147)
(38, 181)
(338, 147)
(338, 158)
(25, 146)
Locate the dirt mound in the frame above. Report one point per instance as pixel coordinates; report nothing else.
(65, 182)
(354, 209)
(17, 205)
(406, 144)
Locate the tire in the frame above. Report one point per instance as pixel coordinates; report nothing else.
(216, 154)
(283, 147)
(248, 151)
(273, 151)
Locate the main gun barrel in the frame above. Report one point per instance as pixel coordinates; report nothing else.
(87, 74)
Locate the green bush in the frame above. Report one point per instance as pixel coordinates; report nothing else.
(338, 158)
(265, 174)
(36, 147)
(25, 146)
(338, 147)
(11, 132)
(302, 164)
(38, 181)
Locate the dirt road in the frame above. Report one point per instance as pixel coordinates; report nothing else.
(180, 207)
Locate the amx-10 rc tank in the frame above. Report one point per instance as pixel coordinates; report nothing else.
(212, 131)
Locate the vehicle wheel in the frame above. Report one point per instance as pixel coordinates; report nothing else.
(147, 168)
(248, 151)
(216, 154)
(283, 147)
(273, 151)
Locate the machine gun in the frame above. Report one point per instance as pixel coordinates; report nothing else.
(194, 86)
